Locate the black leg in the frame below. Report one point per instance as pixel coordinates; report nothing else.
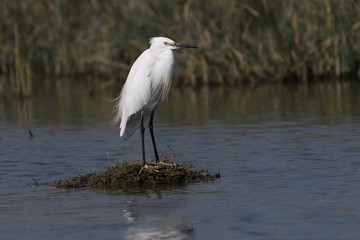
(152, 137)
(142, 130)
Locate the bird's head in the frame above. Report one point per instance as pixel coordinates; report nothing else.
(163, 43)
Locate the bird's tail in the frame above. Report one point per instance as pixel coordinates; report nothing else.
(128, 124)
(125, 128)
(117, 111)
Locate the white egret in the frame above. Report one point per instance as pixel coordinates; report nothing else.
(147, 85)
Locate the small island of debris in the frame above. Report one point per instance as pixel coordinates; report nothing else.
(124, 175)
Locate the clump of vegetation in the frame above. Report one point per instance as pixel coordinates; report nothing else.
(126, 175)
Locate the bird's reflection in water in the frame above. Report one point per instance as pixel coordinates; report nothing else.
(154, 225)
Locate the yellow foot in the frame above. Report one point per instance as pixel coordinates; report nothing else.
(148, 167)
(142, 168)
(166, 164)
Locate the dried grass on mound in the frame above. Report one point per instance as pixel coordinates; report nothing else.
(125, 175)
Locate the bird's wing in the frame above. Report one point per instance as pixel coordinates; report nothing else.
(136, 92)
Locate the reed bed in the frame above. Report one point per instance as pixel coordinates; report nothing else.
(239, 41)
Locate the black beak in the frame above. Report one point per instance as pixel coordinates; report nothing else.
(181, 45)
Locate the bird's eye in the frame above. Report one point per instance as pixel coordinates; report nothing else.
(167, 43)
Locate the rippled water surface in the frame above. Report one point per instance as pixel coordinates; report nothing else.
(289, 158)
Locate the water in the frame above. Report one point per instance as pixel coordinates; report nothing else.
(289, 157)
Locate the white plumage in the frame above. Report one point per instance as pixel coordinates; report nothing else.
(147, 85)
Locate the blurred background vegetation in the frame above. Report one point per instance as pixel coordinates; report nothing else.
(240, 41)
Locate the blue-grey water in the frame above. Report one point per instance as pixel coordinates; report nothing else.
(289, 157)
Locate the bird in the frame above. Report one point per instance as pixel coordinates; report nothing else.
(147, 85)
